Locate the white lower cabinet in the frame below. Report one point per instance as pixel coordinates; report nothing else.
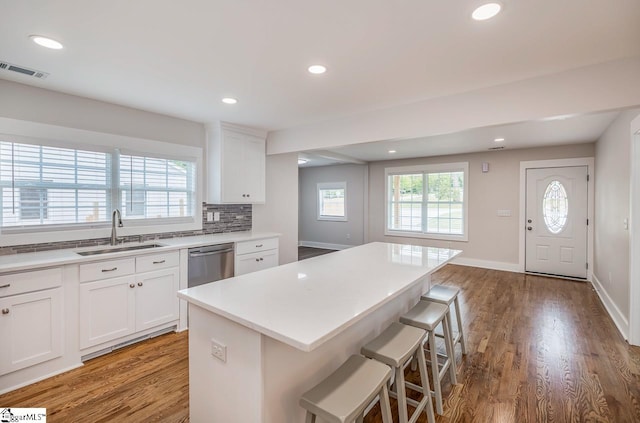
(252, 256)
(107, 310)
(31, 328)
(116, 307)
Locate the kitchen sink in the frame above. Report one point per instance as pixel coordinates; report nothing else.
(118, 249)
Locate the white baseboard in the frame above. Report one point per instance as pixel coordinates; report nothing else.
(324, 245)
(618, 318)
(487, 264)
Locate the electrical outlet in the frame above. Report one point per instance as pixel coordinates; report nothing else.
(209, 216)
(348, 236)
(219, 350)
(216, 216)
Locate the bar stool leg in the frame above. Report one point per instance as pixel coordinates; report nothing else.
(401, 394)
(426, 388)
(460, 331)
(448, 342)
(311, 418)
(385, 405)
(435, 371)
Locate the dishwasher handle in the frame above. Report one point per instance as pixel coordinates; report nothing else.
(209, 251)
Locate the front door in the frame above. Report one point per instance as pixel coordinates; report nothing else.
(556, 221)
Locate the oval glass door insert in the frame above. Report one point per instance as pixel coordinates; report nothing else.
(555, 207)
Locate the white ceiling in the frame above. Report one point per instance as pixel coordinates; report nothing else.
(559, 130)
(180, 57)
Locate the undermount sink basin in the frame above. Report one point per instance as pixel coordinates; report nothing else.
(118, 249)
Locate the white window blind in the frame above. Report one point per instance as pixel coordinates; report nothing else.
(44, 185)
(152, 188)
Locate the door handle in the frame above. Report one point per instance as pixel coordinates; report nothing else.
(529, 228)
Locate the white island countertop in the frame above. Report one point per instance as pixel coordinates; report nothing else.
(305, 303)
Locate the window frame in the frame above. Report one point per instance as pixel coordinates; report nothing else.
(321, 186)
(54, 136)
(426, 169)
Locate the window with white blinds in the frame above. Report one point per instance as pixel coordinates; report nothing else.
(51, 187)
(153, 188)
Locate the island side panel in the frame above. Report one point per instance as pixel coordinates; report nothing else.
(219, 391)
(289, 372)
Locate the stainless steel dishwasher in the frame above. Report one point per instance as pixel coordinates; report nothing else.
(210, 263)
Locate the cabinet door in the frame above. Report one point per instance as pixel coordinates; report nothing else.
(156, 298)
(243, 162)
(31, 328)
(247, 263)
(107, 310)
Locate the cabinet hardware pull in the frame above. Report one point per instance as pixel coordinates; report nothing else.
(159, 262)
(244, 195)
(109, 270)
(5, 286)
(139, 283)
(132, 285)
(257, 259)
(5, 311)
(259, 246)
(261, 259)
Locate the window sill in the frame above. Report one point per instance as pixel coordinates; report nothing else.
(333, 219)
(444, 237)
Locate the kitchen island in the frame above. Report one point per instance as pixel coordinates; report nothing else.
(282, 330)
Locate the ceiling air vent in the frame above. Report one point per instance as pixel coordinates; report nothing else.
(496, 148)
(21, 69)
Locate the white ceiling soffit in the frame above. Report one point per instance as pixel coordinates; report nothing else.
(181, 58)
(559, 130)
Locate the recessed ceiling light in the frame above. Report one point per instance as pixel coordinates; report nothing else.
(392, 151)
(46, 42)
(302, 161)
(499, 139)
(486, 11)
(317, 69)
(229, 100)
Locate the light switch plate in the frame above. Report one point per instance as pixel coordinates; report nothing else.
(216, 216)
(504, 213)
(209, 216)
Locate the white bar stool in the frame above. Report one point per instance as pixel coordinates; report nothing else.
(427, 315)
(396, 346)
(447, 295)
(343, 396)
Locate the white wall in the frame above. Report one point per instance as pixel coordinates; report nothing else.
(603, 86)
(493, 241)
(34, 104)
(613, 176)
(312, 230)
(280, 212)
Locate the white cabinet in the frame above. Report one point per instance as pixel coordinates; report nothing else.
(31, 323)
(252, 256)
(111, 308)
(236, 164)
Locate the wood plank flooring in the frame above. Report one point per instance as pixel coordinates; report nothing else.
(308, 252)
(539, 350)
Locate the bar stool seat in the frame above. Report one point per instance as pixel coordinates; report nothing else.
(428, 316)
(396, 346)
(448, 295)
(343, 396)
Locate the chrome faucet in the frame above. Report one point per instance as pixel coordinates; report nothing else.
(114, 235)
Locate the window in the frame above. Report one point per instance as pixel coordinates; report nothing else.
(154, 188)
(46, 187)
(555, 207)
(332, 201)
(427, 201)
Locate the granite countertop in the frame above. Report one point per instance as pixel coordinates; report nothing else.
(31, 261)
(305, 303)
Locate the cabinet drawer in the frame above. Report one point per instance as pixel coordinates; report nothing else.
(157, 261)
(107, 269)
(248, 263)
(19, 283)
(247, 247)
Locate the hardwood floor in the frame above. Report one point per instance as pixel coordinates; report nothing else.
(539, 350)
(308, 252)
